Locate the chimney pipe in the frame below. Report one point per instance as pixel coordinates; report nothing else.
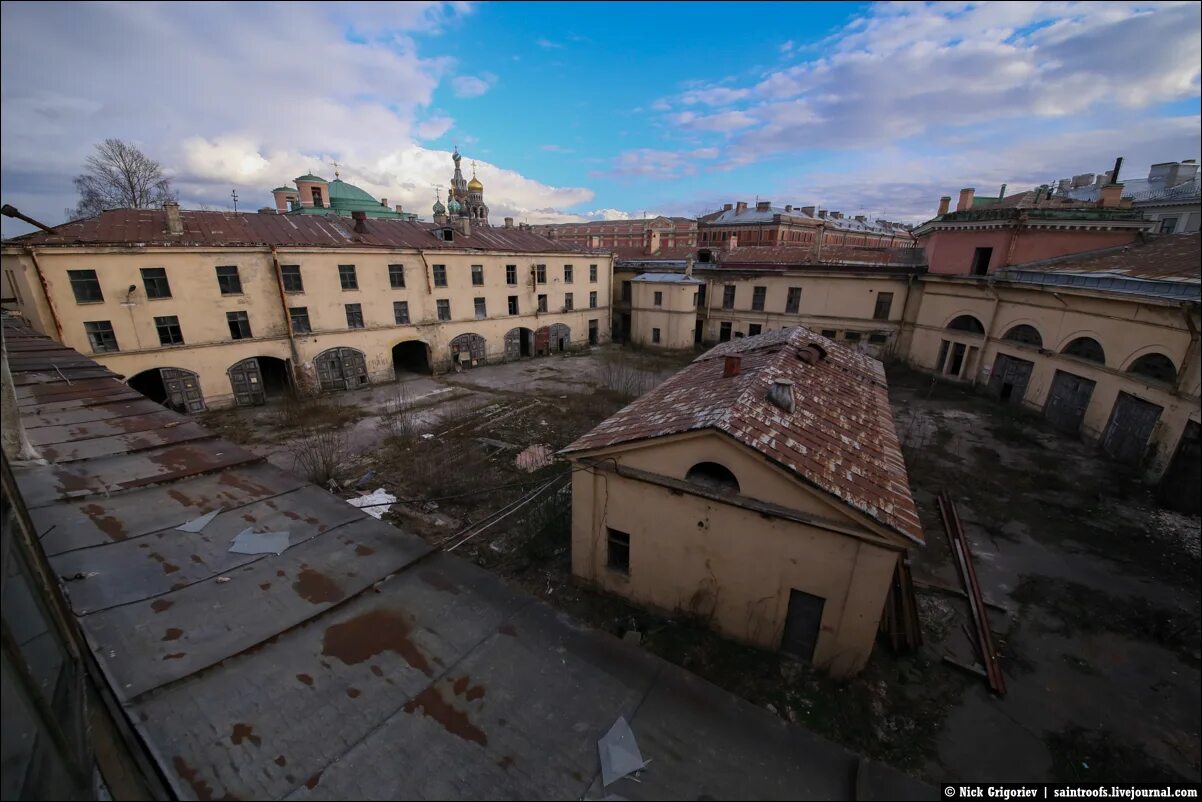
(1001, 193)
(175, 223)
(788, 207)
(781, 394)
(726, 207)
(740, 207)
(400, 209)
(384, 202)
(733, 242)
(360, 219)
(688, 266)
(1118, 165)
(808, 211)
(731, 366)
(965, 202)
(509, 222)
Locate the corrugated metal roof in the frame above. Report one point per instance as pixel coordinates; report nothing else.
(360, 663)
(840, 437)
(667, 278)
(227, 229)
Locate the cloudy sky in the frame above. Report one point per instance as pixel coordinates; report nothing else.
(583, 111)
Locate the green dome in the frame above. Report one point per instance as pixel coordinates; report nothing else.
(453, 206)
(284, 189)
(340, 190)
(311, 177)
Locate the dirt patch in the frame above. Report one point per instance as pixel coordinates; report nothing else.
(1101, 756)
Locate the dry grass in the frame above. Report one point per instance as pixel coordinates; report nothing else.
(321, 454)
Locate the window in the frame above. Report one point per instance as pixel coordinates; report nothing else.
(239, 325)
(567, 274)
(85, 286)
(1027, 335)
(400, 312)
(317, 197)
(592, 274)
(347, 277)
(1168, 225)
(701, 296)
(877, 339)
(100, 335)
(728, 297)
(966, 323)
(758, 294)
(444, 309)
(655, 335)
(829, 333)
(154, 279)
(169, 331)
(851, 336)
(477, 275)
(659, 298)
(540, 274)
(793, 301)
(592, 300)
(713, 476)
(542, 303)
(884, 303)
(724, 332)
(396, 277)
(481, 310)
(626, 291)
(1086, 348)
(440, 275)
(513, 304)
(228, 281)
(980, 261)
(754, 329)
(354, 316)
(292, 278)
(1156, 367)
(618, 551)
(568, 303)
(511, 275)
(299, 315)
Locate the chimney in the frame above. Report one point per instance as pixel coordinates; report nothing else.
(175, 223)
(731, 366)
(1110, 195)
(861, 218)
(781, 394)
(360, 219)
(763, 206)
(509, 222)
(1063, 184)
(740, 207)
(733, 242)
(384, 202)
(822, 214)
(808, 211)
(688, 266)
(726, 207)
(837, 215)
(651, 245)
(400, 209)
(788, 207)
(965, 202)
(465, 226)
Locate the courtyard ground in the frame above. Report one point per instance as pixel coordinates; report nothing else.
(1095, 590)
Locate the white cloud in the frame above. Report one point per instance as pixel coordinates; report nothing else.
(555, 149)
(786, 47)
(471, 85)
(651, 163)
(548, 44)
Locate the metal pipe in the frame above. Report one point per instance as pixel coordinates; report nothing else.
(13, 211)
(37, 269)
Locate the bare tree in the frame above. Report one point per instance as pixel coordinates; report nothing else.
(119, 176)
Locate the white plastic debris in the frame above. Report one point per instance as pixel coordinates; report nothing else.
(249, 541)
(375, 503)
(535, 457)
(619, 753)
(197, 524)
(427, 436)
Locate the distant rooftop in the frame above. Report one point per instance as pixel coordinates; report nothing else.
(667, 278)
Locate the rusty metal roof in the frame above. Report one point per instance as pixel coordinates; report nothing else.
(840, 437)
(148, 227)
(360, 663)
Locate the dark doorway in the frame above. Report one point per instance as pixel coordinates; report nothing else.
(174, 388)
(957, 360)
(1009, 379)
(980, 261)
(724, 332)
(592, 332)
(1130, 426)
(341, 369)
(1179, 488)
(802, 625)
(258, 380)
(698, 332)
(411, 356)
(1067, 401)
(519, 343)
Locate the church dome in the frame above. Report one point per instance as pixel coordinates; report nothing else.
(474, 185)
(438, 207)
(453, 206)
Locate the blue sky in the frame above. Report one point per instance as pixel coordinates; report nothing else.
(591, 110)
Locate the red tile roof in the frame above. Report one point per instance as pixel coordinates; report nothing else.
(149, 227)
(839, 438)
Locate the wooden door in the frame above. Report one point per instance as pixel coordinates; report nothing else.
(1009, 379)
(247, 381)
(1067, 401)
(802, 625)
(183, 390)
(1130, 426)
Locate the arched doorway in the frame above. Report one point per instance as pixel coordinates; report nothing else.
(542, 341)
(561, 337)
(259, 379)
(341, 369)
(468, 350)
(519, 343)
(411, 356)
(174, 388)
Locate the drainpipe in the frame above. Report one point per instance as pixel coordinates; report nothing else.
(1191, 351)
(279, 285)
(37, 269)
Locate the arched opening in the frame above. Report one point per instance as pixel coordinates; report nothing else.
(1086, 348)
(468, 350)
(341, 369)
(1156, 367)
(561, 337)
(174, 388)
(259, 379)
(1027, 335)
(519, 343)
(713, 476)
(411, 356)
(966, 323)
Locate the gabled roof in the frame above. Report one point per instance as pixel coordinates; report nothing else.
(840, 437)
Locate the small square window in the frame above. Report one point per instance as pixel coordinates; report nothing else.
(239, 325)
(228, 280)
(299, 315)
(754, 329)
(291, 275)
(829, 333)
(444, 309)
(851, 336)
(618, 551)
(542, 303)
(400, 312)
(396, 277)
(481, 308)
(347, 277)
(477, 275)
(85, 286)
(440, 275)
(354, 316)
(154, 279)
(169, 330)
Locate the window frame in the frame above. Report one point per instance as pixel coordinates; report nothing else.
(513, 305)
(440, 275)
(568, 274)
(592, 300)
(232, 319)
(592, 274)
(569, 303)
(400, 313)
(396, 276)
(480, 307)
(658, 298)
(345, 272)
(165, 324)
(294, 317)
(227, 280)
(94, 334)
(729, 296)
(287, 278)
(617, 560)
(542, 302)
(477, 275)
(78, 281)
(793, 301)
(354, 314)
(877, 312)
(759, 297)
(443, 307)
(148, 281)
(654, 335)
(511, 275)
(540, 274)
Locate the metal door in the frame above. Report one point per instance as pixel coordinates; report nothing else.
(468, 349)
(1068, 401)
(561, 336)
(341, 369)
(1009, 379)
(513, 344)
(802, 625)
(183, 390)
(1179, 488)
(247, 381)
(1131, 424)
(542, 341)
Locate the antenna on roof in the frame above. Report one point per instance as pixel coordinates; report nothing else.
(234, 195)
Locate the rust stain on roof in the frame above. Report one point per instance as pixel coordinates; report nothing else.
(454, 721)
(361, 638)
(315, 587)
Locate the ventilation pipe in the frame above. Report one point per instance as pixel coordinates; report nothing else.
(781, 394)
(360, 219)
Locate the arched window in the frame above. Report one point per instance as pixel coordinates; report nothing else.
(713, 476)
(1086, 348)
(1156, 367)
(966, 323)
(1027, 335)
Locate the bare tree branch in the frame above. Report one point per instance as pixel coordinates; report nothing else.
(119, 176)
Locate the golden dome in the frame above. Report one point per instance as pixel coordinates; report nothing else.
(474, 185)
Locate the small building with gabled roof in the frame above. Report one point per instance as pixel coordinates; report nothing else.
(762, 489)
